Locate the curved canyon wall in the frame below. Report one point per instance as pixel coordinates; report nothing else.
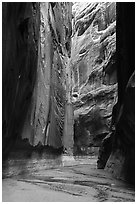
(36, 51)
(103, 65)
(94, 71)
(57, 57)
(45, 121)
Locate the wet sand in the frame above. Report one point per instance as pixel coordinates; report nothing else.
(60, 178)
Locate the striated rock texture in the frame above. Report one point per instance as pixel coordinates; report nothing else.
(36, 52)
(20, 35)
(45, 120)
(94, 71)
(43, 67)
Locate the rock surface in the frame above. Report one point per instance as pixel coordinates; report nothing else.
(124, 138)
(38, 56)
(20, 35)
(46, 118)
(35, 77)
(94, 76)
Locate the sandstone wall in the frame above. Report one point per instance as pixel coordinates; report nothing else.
(94, 70)
(20, 35)
(122, 160)
(46, 119)
(36, 51)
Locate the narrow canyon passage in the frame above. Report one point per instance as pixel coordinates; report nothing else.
(68, 101)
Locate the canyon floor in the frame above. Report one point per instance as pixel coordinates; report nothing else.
(60, 178)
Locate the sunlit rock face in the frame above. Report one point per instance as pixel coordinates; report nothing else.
(45, 119)
(94, 70)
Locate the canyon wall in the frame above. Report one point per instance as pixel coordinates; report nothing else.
(56, 57)
(45, 121)
(36, 52)
(103, 63)
(94, 71)
(20, 36)
(122, 160)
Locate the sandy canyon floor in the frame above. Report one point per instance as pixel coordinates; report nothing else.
(60, 178)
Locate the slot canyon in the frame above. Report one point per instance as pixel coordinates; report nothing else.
(68, 101)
